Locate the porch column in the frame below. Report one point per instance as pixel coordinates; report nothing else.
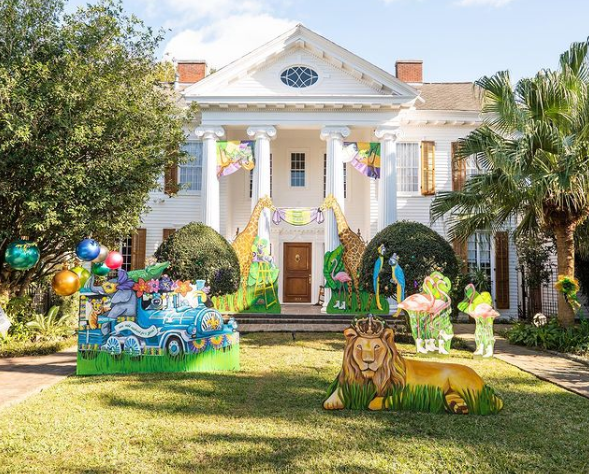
(334, 137)
(210, 197)
(387, 184)
(261, 176)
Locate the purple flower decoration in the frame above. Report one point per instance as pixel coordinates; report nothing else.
(166, 285)
(123, 281)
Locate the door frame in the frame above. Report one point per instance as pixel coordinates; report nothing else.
(284, 271)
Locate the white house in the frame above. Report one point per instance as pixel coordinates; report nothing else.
(300, 97)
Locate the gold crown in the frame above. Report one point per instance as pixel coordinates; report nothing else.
(369, 326)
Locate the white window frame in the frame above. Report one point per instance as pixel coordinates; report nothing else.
(182, 189)
(346, 178)
(477, 234)
(304, 151)
(417, 192)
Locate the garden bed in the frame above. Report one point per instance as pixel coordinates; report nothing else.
(15, 348)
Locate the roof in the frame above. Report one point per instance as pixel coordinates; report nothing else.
(448, 96)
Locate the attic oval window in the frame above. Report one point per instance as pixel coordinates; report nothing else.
(299, 77)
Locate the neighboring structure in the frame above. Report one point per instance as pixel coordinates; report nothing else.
(300, 97)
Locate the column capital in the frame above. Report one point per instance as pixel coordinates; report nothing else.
(338, 132)
(209, 131)
(389, 132)
(262, 131)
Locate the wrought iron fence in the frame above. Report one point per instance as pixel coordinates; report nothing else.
(542, 299)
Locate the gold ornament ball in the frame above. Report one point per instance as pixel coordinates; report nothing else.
(65, 283)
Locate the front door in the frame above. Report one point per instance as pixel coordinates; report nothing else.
(297, 272)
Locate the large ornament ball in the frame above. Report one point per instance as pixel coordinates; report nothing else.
(22, 254)
(88, 249)
(114, 260)
(100, 269)
(82, 273)
(102, 255)
(65, 283)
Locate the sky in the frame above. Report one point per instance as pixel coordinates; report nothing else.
(458, 40)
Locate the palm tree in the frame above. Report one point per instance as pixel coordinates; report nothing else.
(534, 147)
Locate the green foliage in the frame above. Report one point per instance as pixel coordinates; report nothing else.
(85, 128)
(11, 347)
(420, 398)
(51, 326)
(552, 336)
(484, 402)
(198, 252)
(421, 251)
(534, 252)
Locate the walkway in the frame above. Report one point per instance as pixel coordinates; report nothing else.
(21, 377)
(568, 374)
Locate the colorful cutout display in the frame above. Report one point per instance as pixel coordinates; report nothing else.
(429, 315)
(375, 376)
(233, 155)
(479, 307)
(131, 325)
(364, 157)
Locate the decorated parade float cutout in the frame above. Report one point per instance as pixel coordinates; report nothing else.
(375, 376)
(429, 315)
(479, 307)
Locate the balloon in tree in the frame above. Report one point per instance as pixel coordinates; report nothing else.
(100, 269)
(82, 273)
(22, 254)
(102, 255)
(65, 283)
(88, 249)
(114, 260)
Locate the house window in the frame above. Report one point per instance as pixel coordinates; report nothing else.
(325, 177)
(299, 77)
(190, 173)
(133, 250)
(472, 166)
(408, 167)
(297, 170)
(479, 253)
(126, 252)
(251, 179)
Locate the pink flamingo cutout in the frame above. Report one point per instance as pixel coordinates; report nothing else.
(344, 279)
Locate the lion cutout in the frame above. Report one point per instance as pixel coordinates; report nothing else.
(375, 376)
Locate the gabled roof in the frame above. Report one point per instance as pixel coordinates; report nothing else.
(384, 88)
(456, 96)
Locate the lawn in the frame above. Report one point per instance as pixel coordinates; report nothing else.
(268, 418)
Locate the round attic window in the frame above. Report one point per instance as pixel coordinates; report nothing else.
(299, 76)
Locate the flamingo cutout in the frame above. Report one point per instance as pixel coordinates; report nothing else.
(478, 306)
(344, 279)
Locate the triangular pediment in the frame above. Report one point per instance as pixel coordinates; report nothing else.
(340, 72)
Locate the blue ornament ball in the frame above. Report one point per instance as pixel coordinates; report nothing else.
(22, 254)
(88, 249)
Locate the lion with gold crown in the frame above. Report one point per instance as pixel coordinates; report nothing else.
(375, 376)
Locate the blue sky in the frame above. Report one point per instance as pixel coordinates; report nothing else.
(458, 40)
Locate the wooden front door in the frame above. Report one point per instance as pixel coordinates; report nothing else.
(297, 272)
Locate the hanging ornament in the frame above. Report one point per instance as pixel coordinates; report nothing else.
(100, 269)
(22, 254)
(114, 260)
(82, 273)
(65, 283)
(102, 255)
(88, 249)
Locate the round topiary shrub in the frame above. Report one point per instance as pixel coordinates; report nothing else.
(421, 251)
(198, 252)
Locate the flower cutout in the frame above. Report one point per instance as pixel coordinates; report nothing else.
(153, 286)
(140, 287)
(166, 284)
(182, 287)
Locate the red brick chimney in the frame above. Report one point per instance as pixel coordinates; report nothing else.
(409, 70)
(189, 71)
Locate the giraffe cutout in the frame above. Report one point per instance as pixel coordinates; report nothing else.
(244, 241)
(352, 243)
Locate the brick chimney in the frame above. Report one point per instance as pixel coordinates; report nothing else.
(189, 71)
(409, 70)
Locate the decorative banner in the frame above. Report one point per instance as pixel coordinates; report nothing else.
(136, 329)
(364, 156)
(232, 155)
(298, 216)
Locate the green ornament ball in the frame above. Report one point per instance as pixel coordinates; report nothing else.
(100, 269)
(22, 254)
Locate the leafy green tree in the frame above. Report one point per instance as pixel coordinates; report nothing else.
(534, 146)
(86, 129)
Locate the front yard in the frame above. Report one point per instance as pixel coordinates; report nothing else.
(268, 418)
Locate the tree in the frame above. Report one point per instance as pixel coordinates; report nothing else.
(85, 128)
(199, 252)
(534, 146)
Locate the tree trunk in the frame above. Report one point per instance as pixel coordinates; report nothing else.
(565, 255)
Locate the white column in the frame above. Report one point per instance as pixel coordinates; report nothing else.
(210, 197)
(334, 138)
(261, 176)
(387, 185)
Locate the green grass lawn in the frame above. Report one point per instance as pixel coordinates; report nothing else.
(268, 418)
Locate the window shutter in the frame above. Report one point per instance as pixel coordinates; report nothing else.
(461, 249)
(168, 232)
(171, 179)
(502, 270)
(138, 245)
(458, 169)
(428, 168)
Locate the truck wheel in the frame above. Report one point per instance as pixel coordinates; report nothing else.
(132, 346)
(112, 346)
(174, 346)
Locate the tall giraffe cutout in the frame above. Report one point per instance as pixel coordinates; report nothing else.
(244, 241)
(352, 243)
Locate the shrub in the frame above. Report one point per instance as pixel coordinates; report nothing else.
(421, 251)
(51, 326)
(552, 336)
(198, 252)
